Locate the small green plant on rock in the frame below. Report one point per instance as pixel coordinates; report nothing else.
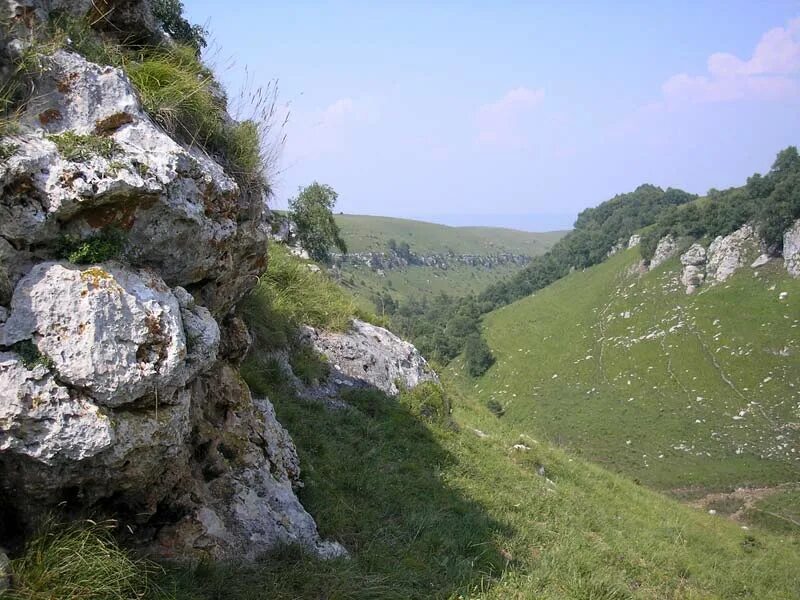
(80, 148)
(100, 247)
(30, 355)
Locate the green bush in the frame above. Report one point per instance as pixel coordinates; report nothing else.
(477, 355)
(105, 245)
(170, 14)
(78, 562)
(312, 212)
(427, 401)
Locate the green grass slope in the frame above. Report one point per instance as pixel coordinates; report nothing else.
(364, 233)
(459, 504)
(676, 391)
(430, 512)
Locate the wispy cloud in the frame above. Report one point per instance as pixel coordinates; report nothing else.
(502, 122)
(770, 74)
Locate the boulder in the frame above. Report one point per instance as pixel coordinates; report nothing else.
(634, 240)
(791, 249)
(729, 253)
(667, 248)
(369, 356)
(114, 333)
(693, 261)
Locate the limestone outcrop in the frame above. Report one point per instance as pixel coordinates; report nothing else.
(119, 393)
(667, 248)
(723, 257)
(369, 356)
(791, 249)
(729, 253)
(693, 261)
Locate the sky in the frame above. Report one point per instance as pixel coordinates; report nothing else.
(511, 113)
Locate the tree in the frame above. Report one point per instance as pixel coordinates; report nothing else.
(170, 14)
(312, 212)
(477, 355)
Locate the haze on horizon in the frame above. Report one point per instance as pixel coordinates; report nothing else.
(515, 114)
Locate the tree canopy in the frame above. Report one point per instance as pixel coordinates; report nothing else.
(312, 212)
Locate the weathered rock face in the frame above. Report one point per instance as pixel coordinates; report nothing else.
(693, 261)
(727, 254)
(119, 394)
(161, 195)
(634, 240)
(667, 248)
(791, 249)
(369, 356)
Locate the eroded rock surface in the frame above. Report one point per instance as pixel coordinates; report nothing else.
(693, 261)
(667, 248)
(791, 249)
(370, 356)
(729, 253)
(119, 394)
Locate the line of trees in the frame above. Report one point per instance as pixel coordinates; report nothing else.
(771, 202)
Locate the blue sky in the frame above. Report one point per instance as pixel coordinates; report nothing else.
(514, 113)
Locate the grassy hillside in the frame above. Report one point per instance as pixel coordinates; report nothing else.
(453, 505)
(676, 391)
(364, 233)
(432, 512)
(420, 281)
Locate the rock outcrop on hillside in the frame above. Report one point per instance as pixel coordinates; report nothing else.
(721, 260)
(119, 389)
(693, 261)
(791, 249)
(667, 248)
(368, 356)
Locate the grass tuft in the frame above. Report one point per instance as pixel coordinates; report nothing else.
(289, 295)
(80, 148)
(78, 562)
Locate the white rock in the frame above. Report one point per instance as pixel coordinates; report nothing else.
(783, 295)
(693, 261)
(666, 249)
(634, 240)
(791, 249)
(760, 261)
(115, 333)
(368, 355)
(729, 253)
(41, 419)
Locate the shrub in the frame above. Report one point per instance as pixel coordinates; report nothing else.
(100, 247)
(477, 355)
(78, 562)
(427, 400)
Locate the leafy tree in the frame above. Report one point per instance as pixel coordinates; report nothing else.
(170, 14)
(477, 355)
(312, 212)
